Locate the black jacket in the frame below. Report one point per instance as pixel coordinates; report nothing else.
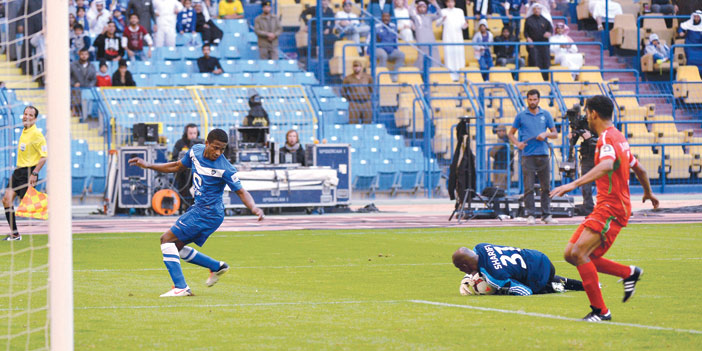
(128, 80)
(297, 157)
(506, 51)
(462, 172)
(102, 44)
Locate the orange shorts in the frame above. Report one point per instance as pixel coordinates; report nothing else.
(603, 222)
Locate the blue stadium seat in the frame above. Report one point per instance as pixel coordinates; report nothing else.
(288, 66)
(203, 79)
(190, 66)
(168, 67)
(251, 37)
(230, 51)
(190, 52)
(306, 78)
(96, 161)
(223, 79)
(285, 78)
(249, 66)
(268, 65)
(409, 181)
(170, 53)
(230, 66)
(137, 67)
(324, 92)
(182, 79)
(79, 173)
(189, 39)
(232, 26)
(163, 79)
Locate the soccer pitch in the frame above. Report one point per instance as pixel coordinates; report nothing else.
(371, 289)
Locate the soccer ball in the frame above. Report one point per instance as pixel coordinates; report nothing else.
(480, 287)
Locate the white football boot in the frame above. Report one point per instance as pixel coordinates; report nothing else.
(214, 276)
(175, 292)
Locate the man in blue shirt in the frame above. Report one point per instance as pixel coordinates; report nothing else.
(512, 271)
(386, 33)
(535, 125)
(211, 172)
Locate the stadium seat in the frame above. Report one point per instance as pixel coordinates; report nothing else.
(170, 53)
(623, 33)
(189, 39)
(650, 161)
(168, 67)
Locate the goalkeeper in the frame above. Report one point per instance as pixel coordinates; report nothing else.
(511, 270)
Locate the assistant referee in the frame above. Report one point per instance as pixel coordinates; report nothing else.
(31, 157)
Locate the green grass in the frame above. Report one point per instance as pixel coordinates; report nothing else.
(352, 290)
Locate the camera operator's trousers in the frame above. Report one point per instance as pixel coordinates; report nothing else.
(532, 167)
(588, 203)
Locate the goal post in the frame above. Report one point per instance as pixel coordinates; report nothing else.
(59, 175)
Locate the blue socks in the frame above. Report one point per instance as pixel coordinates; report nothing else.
(193, 256)
(172, 262)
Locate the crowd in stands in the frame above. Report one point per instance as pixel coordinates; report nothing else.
(129, 30)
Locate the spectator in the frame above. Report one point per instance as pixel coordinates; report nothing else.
(186, 18)
(119, 20)
(538, 29)
(501, 154)
(348, 26)
(601, 8)
(402, 18)
(686, 7)
(83, 75)
(506, 53)
(122, 77)
(207, 63)
(378, 7)
(80, 19)
(103, 78)
(546, 6)
(386, 33)
(134, 38)
(82, 72)
(309, 17)
(71, 21)
(108, 45)
(662, 6)
(425, 31)
(454, 22)
(508, 9)
(565, 54)
(166, 18)
(268, 29)
(231, 9)
(211, 34)
(292, 151)
(691, 30)
(79, 41)
(658, 49)
(145, 10)
(482, 53)
(98, 16)
(358, 90)
(77, 5)
(535, 125)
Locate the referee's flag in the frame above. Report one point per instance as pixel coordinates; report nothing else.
(34, 204)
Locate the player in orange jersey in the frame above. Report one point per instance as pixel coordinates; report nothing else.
(597, 233)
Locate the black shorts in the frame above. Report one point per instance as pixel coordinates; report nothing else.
(19, 182)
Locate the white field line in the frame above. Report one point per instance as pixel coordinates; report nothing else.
(551, 316)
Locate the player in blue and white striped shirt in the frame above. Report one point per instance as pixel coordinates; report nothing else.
(211, 172)
(512, 270)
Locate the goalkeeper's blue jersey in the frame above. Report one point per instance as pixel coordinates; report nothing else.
(526, 271)
(210, 177)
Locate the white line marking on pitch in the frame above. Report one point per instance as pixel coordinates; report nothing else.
(276, 267)
(551, 316)
(297, 303)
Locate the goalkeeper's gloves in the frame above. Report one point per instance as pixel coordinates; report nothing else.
(465, 285)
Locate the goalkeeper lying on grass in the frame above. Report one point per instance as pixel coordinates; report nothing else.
(510, 271)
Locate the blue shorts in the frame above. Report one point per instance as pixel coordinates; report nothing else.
(196, 225)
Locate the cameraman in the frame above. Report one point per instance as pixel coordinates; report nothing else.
(183, 179)
(580, 129)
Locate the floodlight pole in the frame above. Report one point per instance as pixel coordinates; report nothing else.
(59, 170)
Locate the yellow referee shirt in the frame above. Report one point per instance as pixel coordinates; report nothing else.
(230, 8)
(32, 147)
